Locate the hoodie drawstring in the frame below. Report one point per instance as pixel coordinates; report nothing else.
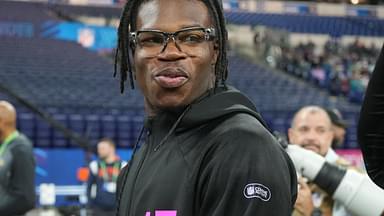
(173, 128)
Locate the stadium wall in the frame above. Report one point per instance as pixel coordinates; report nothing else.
(321, 9)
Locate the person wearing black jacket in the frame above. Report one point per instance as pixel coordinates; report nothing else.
(207, 151)
(17, 166)
(370, 131)
(103, 173)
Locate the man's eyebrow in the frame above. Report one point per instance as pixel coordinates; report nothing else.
(323, 127)
(191, 26)
(181, 28)
(301, 126)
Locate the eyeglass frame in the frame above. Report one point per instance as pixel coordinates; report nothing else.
(209, 35)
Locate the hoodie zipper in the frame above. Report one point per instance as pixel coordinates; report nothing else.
(147, 151)
(173, 128)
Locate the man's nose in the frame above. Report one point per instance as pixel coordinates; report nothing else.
(311, 135)
(172, 50)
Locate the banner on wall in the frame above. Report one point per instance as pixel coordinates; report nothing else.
(60, 166)
(230, 4)
(89, 36)
(299, 8)
(57, 175)
(16, 29)
(361, 12)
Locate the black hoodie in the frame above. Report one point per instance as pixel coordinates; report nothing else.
(214, 159)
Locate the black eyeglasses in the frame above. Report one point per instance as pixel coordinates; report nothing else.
(187, 40)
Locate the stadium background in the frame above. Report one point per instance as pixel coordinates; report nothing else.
(56, 66)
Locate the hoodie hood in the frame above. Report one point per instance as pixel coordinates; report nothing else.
(215, 104)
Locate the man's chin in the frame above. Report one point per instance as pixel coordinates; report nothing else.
(171, 104)
(175, 108)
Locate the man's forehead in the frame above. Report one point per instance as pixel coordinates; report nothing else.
(311, 125)
(104, 143)
(6, 106)
(4, 111)
(312, 119)
(161, 14)
(148, 11)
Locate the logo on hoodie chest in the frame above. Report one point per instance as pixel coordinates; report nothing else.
(256, 190)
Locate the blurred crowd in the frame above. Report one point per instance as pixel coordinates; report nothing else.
(343, 70)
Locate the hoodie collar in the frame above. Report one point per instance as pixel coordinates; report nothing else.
(214, 104)
(218, 103)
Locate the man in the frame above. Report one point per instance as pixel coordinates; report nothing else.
(206, 150)
(312, 129)
(339, 127)
(371, 123)
(17, 166)
(102, 180)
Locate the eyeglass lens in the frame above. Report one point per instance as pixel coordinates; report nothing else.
(154, 42)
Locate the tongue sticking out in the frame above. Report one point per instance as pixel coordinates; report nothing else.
(170, 81)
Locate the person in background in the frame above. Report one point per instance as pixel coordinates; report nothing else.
(17, 166)
(101, 187)
(339, 127)
(370, 132)
(312, 129)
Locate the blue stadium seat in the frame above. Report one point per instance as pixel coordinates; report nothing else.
(108, 126)
(58, 139)
(124, 130)
(77, 124)
(43, 134)
(26, 124)
(93, 127)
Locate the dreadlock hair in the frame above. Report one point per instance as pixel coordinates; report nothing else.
(125, 48)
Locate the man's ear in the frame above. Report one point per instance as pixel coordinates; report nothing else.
(290, 134)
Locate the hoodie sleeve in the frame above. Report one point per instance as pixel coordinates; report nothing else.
(19, 197)
(247, 174)
(371, 124)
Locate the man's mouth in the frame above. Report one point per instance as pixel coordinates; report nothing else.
(171, 77)
(312, 147)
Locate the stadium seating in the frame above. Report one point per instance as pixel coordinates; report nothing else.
(77, 88)
(334, 26)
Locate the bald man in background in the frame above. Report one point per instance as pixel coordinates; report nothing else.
(17, 166)
(312, 129)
